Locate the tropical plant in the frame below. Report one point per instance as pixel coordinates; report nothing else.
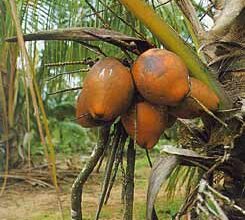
(212, 148)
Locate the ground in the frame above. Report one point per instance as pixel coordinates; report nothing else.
(24, 202)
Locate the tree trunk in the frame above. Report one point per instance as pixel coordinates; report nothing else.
(228, 62)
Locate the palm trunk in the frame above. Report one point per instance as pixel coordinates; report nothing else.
(8, 137)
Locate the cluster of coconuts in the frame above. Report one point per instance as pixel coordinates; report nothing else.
(164, 92)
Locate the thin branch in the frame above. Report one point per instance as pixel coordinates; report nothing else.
(67, 73)
(109, 166)
(129, 191)
(190, 13)
(208, 12)
(100, 11)
(65, 90)
(148, 157)
(164, 3)
(123, 173)
(154, 213)
(101, 160)
(153, 5)
(209, 112)
(117, 163)
(121, 19)
(77, 187)
(97, 50)
(105, 24)
(66, 63)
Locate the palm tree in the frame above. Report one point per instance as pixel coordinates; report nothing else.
(215, 56)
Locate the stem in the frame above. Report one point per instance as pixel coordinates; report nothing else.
(129, 190)
(173, 42)
(101, 160)
(117, 163)
(154, 213)
(66, 90)
(108, 171)
(123, 173)
(77, 187)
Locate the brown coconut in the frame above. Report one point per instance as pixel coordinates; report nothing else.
(161, 77)
(146, 122)
(189, 108)
(108, 89)
(83, 116)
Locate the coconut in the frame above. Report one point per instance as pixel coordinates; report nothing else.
(161, 77)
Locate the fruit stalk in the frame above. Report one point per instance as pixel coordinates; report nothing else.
(173, 42)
